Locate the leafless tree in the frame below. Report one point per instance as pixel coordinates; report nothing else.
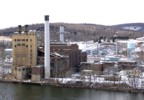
(134, 79)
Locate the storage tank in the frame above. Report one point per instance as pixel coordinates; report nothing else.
(131, 45)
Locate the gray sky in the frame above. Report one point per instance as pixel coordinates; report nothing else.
(106, 12)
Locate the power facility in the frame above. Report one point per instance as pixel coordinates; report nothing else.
(35, 62)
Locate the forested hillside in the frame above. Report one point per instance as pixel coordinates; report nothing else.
(78, 32)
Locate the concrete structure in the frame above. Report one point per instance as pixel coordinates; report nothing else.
(61, 34)
(47, 48)
(75, 55)
(23, 72)
(37, 73)
(60, 65)
(24, 49)
(24, 45)
(95, 67)
(64, 58)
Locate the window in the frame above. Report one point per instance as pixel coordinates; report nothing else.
(27, 46)
(18, 44)
(26, 39)
(23, 44)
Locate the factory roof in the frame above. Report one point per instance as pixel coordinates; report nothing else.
(58, 43)
(4, 38)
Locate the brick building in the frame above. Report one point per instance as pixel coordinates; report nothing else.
(28, 58)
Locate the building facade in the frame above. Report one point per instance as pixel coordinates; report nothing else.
(24, 49)
(24, 45)
(71, 50)
(65, 58)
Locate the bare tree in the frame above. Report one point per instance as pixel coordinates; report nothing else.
(134, 78)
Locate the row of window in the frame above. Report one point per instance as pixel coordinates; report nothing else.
(22, 39)
(22, 45)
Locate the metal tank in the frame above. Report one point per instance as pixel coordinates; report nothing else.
(131, 45)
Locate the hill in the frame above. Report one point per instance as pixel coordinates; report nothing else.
(138, 27)
(81, 32)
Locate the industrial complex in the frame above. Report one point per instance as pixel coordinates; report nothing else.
(113, 63)
(55, 59)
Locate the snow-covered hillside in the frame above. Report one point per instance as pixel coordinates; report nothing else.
(137, 27)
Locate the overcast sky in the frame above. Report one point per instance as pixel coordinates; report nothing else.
(105, 12)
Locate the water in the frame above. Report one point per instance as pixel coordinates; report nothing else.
(32, 92)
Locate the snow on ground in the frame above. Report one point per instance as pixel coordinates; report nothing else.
(84, 46)
(138, 82)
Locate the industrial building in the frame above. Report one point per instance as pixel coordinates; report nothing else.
(24, 48)
(110, 66)
(51, 60)
(65, 56)
(75, 55)
(24, 45)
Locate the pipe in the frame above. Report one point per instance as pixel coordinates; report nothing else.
(26, 29)
(61, 34)
(19, 29)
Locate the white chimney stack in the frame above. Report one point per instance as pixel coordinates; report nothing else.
(47, 48)
(61, 34)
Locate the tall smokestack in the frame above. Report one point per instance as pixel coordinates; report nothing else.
(61, 34)
(26, 29)
(19, 29)
(47, 48)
